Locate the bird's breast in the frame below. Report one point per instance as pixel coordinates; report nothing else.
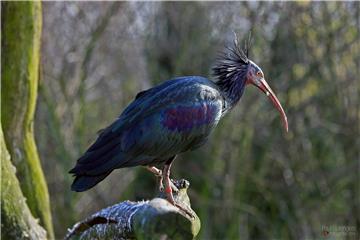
(188, 118)
(188, 127)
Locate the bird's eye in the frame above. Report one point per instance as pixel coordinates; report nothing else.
(259, 74)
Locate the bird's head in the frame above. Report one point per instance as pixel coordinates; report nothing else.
(235, 71)
(255, 76)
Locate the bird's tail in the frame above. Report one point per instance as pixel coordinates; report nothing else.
(85, 182)
(94, 166)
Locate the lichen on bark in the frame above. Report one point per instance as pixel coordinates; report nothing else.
(154, 219)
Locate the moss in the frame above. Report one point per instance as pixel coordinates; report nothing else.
(20, 45)
(17, 221)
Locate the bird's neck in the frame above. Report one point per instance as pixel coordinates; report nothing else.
(232, 89)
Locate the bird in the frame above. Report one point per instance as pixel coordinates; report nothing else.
(173, 117)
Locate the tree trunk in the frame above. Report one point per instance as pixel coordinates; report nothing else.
(155, 219)
(20, 45)
(17, 221)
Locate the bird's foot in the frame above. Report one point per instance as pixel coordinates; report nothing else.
(184, 210)
(170, 198)
(173, 186)
(158, 173)
(168, 185)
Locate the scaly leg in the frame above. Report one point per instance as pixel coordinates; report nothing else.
(166, 177)
(158, 173)
(168, 186)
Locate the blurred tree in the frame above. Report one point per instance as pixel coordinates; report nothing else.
(65, 95)
(20, 46)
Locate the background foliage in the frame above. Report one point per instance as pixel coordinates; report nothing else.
(252, 179)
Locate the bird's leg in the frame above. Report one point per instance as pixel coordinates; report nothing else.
(158, 173)
(166, 177)
(169, 186)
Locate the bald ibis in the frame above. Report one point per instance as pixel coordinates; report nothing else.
(174, 117)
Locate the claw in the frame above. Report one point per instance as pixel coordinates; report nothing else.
(184, 210)
(173, 186)
(161, 185)
(170, 198)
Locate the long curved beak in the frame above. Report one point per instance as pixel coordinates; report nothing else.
(264, 86)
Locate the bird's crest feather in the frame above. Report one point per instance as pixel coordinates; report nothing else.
(233, 61)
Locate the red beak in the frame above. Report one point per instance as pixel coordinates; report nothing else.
(263, 86)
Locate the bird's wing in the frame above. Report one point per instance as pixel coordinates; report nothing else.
(174, 91)
(106, 135)
(174, 121)
(148, 123)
